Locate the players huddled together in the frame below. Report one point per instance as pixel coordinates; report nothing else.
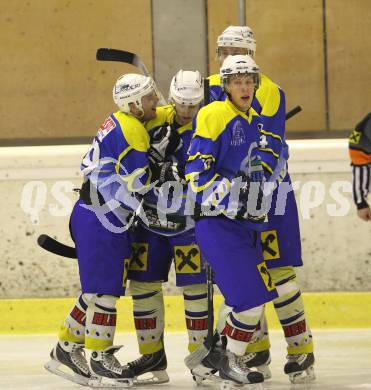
(202, 183)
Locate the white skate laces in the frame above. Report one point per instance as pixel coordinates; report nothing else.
(78, 357)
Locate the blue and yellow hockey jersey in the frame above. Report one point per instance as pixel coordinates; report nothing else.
(269, 102)
(224, 146)
(117, 163)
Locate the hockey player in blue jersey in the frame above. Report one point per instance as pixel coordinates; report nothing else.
(281, 239)
(116, 174)
(223, 169)
(164, 235)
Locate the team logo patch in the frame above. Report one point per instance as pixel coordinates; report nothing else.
(238, 135)
(266, 276)
(187, 259)
(126, 269)
(139, 257)
(108, 125)
(270, 246)
(355, 137)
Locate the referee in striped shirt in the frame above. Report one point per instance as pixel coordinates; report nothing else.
(360, 155)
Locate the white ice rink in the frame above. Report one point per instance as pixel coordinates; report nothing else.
(343, 362)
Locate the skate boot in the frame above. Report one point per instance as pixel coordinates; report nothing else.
(71, 356)
(259, 360)
(299, 368)
(235, 373)
(153, 364)
(209, 366)
(107, 370)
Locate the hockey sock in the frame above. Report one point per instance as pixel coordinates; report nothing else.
(73, 328)
(289, 307)
(240, 327)
(224, 310)
(196, 314)
(148, 311)
(100, 321)
(260, 339)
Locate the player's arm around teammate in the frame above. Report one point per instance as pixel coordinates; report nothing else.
(116, 173)
(166, 235)
(223, 150)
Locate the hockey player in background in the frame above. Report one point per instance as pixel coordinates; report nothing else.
(281, 239)
(360, 156)
(116, 173)
(164, 235)
(222, 169)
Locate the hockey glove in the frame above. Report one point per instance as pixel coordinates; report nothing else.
(163, 142)
(171, 171)
(243, 209)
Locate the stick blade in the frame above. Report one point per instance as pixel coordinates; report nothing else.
(196, 357)
(104, 54)
(51, 245)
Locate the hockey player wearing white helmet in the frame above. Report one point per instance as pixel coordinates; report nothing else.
(281, 247)
(168, 236)
(222, 167)
(116, 174)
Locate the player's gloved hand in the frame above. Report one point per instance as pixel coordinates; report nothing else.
(171, 171)
(243, 209)
(164, 142)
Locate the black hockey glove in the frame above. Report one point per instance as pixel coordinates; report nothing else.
(243, 209)
(164, 142)
(171, 171)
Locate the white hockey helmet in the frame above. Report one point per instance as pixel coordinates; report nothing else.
(239, 64)
(186, 88)
(130, 88)
(238, 36)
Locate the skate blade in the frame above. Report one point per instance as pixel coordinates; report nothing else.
(202, 373)
(301, 377)
(229, 385)
(53, 367)
(152, 378)
(100, 382)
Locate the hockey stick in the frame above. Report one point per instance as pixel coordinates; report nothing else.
(104, 54)
(51, 245)
(196, 357)
(293, 112)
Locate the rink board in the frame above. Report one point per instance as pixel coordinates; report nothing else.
(325, 310)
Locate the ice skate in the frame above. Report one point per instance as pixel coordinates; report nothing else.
(154, 365)
(209, 366)
(259, 360)
(68, 361)
(107, 371)
(299, 368)
(235, 374)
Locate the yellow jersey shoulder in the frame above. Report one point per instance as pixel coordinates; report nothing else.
(134, 131)
(213, 119)
(164, 114)
(268, 96)
(214, 79)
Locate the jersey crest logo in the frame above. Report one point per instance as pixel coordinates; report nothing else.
(238, 135)
(108, 125)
